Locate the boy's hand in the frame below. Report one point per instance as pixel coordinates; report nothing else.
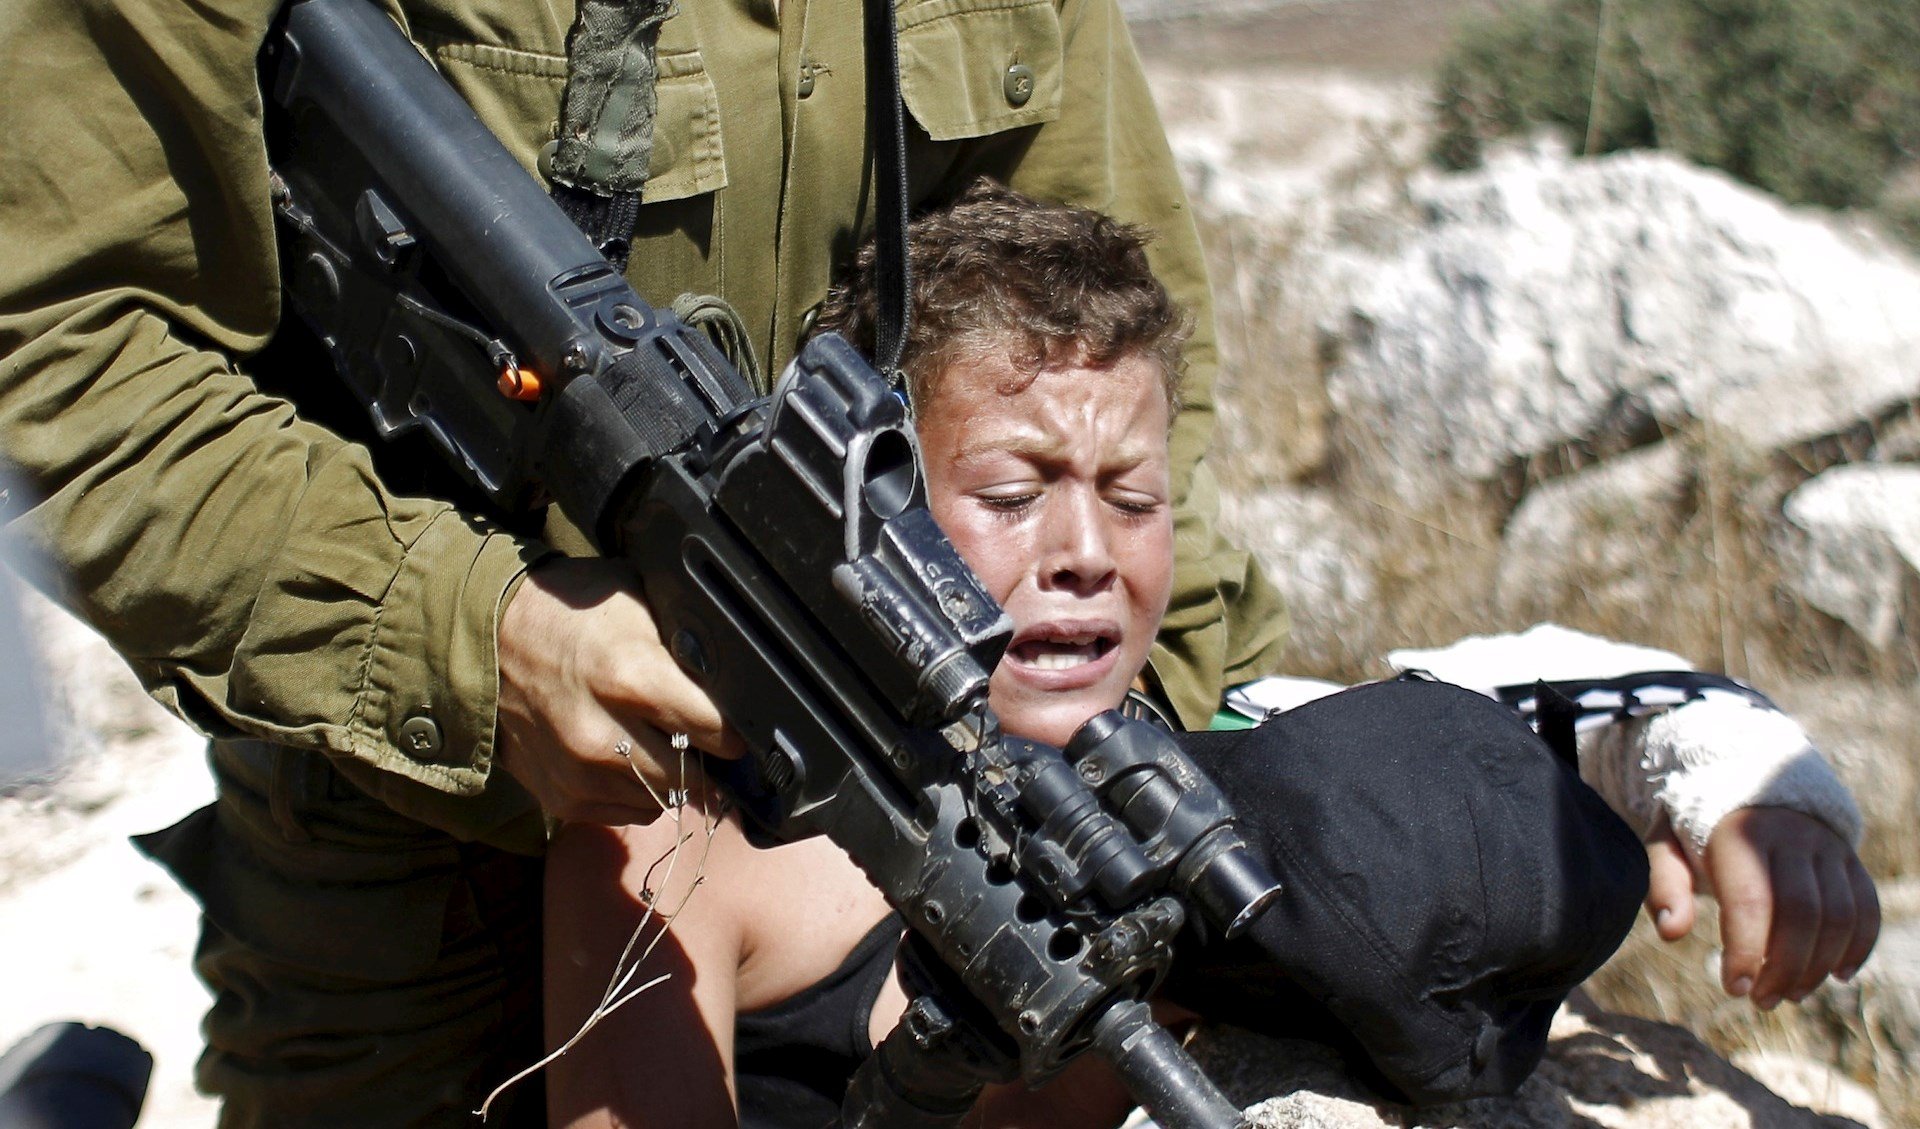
(1795, 904)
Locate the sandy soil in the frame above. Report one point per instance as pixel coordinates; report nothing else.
(89, 928)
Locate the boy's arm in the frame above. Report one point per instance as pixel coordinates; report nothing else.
(1795, 904)
(1731, 796)
(666, 1058)
(1734, 801)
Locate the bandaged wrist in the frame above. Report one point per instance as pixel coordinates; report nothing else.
(1721, 753)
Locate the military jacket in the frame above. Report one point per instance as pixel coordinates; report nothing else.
(255, 568)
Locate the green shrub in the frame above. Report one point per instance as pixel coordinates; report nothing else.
(1817, 101)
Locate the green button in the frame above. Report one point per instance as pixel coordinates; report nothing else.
(420, 737)
(807, 72)
(545, 161)
(1018, 84)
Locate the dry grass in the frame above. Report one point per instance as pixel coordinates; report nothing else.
(1839, 1024)
(1696, 572)
(1275, 427)
(1693, 568)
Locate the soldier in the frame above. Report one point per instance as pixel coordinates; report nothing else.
(398, 688)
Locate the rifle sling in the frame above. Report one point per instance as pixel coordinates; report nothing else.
(601, 158)
(887, 129)
(602, 154)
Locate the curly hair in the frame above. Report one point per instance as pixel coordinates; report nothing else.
(1000, 273)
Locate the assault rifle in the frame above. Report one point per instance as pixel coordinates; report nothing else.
(786, 549)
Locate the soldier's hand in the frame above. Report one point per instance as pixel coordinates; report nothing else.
(590, 698)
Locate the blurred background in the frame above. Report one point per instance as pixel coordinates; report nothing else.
(1602, 312)
(25, 750)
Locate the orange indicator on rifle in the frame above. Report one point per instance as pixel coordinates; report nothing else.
(517, 383)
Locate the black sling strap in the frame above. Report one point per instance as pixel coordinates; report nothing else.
(1559, 711)
(887, 129)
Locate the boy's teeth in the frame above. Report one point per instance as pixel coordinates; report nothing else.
(1061, 654)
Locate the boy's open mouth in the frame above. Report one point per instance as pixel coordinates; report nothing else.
(1061, 652)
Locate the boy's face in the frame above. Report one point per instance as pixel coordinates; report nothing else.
(1056, 490)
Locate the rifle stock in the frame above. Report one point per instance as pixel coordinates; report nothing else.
(785, 546)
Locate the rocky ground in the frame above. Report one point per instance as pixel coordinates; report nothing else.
(89, 929)
(1621, 393)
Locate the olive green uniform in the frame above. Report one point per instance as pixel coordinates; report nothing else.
(273, 587)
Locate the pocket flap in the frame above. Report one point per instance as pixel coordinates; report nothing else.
(969, 68)
(517, 93)
(689, 158)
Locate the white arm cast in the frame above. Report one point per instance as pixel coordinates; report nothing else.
(1694, 763)
(1705, 759)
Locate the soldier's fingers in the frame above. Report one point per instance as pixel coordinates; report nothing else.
(611, 815)
(652, 691)
(665, 765)
(630, 798)
(607, 799)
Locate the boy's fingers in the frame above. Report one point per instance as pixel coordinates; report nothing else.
(1669, 887)
(1740, 883)
(1837, 921)
(1797, 915)
(1866, 920)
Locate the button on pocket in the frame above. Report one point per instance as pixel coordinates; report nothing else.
(420, 737)
(1018, 84)
(969, 68)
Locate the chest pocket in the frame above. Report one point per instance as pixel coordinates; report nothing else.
(517, 94)
(969, 68)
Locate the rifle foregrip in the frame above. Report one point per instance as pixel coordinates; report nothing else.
(1159, 1073)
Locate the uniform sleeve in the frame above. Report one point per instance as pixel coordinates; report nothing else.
(248, 564)
(1108, 150)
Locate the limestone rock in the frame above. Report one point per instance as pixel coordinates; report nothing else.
(1542, 302)
(1320, 560)
(90, 929)
(1815, 1085)
(1855, 546)
(1871, 1027)
(1591, 532)
(26, 750)
(1601, 1070)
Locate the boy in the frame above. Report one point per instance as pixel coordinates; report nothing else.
(1047, 463)
(1043, 368)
